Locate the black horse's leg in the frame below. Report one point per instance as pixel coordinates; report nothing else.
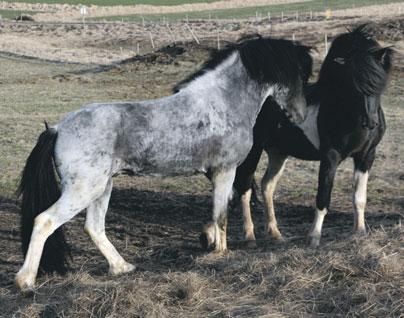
(328, 167)
(243, 184)
(276, 165)
(361, 174)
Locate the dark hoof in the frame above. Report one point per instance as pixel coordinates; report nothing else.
(313, 241)
(203, 240)
(251, 244)
(360, 232)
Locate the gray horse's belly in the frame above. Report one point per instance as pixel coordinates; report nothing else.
(191, 154)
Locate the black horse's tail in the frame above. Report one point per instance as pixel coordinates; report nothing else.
(39, 189)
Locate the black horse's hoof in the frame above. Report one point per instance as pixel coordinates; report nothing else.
(203, 240)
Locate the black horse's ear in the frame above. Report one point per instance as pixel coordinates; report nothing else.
(384, 56)
(340, 60)
(305, 61)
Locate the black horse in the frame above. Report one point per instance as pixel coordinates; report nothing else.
(345, 119)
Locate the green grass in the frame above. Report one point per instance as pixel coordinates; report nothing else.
(240, 13)
(11, 14)
(117, 2)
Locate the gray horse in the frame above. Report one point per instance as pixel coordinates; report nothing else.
(206, 127)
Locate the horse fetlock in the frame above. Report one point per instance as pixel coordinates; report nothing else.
(274, 232)
(249, 235)
(360, 230)
(221, 246)
(121, 268)
(25, 280)
(314, 239)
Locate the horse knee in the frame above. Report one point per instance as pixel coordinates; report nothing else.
(44, 224)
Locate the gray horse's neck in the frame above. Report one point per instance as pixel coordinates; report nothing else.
(229, 84)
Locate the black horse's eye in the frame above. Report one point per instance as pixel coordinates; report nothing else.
(340, 60)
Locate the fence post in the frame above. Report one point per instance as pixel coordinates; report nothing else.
(193, 34)
(170, 32)
(151, 40)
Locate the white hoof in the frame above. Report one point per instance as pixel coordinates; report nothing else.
(121, 268)
(25, 281)
(314, 241)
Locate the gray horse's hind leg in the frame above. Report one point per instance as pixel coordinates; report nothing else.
(215, 232)
(95, 228)
(276, 165)
(74, 199)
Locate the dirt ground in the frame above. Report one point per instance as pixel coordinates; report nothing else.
(108, 42)
(57, 12)
(155, 222)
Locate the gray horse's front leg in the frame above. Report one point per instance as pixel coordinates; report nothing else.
(214, 233)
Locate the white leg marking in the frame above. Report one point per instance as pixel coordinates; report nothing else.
(95, 228)
(248, 223)
(359, 200)
(315, 232)
(222, 192)
(43, 227)
(276, 165)
(69, 204)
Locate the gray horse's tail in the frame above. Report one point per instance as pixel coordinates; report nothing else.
(39, 189)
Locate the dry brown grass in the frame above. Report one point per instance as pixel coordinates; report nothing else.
(155, 223)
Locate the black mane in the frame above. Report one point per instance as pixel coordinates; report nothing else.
(266, 60)
(357, 60)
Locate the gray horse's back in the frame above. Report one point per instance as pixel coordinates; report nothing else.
(148, 138)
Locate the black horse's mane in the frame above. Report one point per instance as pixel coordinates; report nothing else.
(266, 60)
(369, 63)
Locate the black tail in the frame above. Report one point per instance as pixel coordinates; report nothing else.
(40, 189)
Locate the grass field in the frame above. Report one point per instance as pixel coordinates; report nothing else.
(116, 2)
(11, 14)
(248, 12)
(155, 222)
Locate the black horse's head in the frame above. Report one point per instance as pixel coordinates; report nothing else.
(356, 68)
